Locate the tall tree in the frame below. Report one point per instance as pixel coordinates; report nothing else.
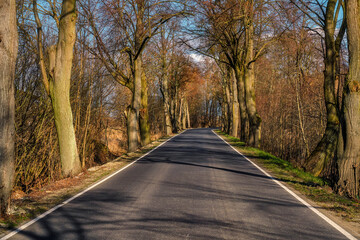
(349, 154)
(56, 79)
(327, 16)
(8, 53)
(135, 22)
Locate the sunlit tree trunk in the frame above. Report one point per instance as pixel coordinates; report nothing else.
(8, 53)
(249, 81)
(57, 84)
(235, 104)
(188, 115)
(349, 161)
(164, 86)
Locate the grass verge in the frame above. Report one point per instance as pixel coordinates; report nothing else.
(31, 205)
(313, 188)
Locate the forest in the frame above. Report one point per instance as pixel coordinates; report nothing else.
(82, 82)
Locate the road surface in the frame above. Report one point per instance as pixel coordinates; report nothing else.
(193, 187)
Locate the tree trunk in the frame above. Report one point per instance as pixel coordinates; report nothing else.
(184, 115)
(320, 160)
(166, 99)
(8, 53)
(180, 114)
(133, 111)
(249, 81)
(228, 108)
(244, 119)
(235, 104)
(349, 161)
(60, 89)
(57, 84)
(144, 113)
(188, 115)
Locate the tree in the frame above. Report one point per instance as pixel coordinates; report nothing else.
(227, 30)
(134, 23)
(8, 53)
(56, 79)
(349, 149)
(320, 160)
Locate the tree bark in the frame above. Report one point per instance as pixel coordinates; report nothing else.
(244, 119)
(57, 84)
(144, 112)
(349, 161)
(188, 115)
(164, 87)
(320, 160)
(235, 104)
(8, 53)
(249, 81)
(134, 109)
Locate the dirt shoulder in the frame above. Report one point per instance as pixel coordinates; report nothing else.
(343, 211)
(28, 206)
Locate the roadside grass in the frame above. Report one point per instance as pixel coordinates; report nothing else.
(41, 200)
(314, 188)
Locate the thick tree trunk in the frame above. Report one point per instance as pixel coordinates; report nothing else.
(60, 89)
(144, 112)
(188, 115)
(228, 108)
(57, 84)
(184, 116)
(321, 159)
(132, 129)
(166, 99)
(133, 112)
(244, 119)
(8, 53)
(235, 104)
(180, 114)
(349, 161)
(249, 80)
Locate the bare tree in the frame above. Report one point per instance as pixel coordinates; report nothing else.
(326, 15)
(135, 23)
(56, 79)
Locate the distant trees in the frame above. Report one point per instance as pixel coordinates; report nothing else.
(8, 53)
(236, 34)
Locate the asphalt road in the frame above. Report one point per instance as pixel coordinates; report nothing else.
(193, 187)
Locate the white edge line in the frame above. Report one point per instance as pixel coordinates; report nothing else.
(328, 220)
(22, 227)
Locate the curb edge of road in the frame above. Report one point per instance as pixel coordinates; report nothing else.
(317, 212)
(24, 226)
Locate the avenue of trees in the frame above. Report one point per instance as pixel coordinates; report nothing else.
(82, 82)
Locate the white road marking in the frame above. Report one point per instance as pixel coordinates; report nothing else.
(328, 220)
(21, 228)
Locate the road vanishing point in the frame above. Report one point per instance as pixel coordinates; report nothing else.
(195, 186)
